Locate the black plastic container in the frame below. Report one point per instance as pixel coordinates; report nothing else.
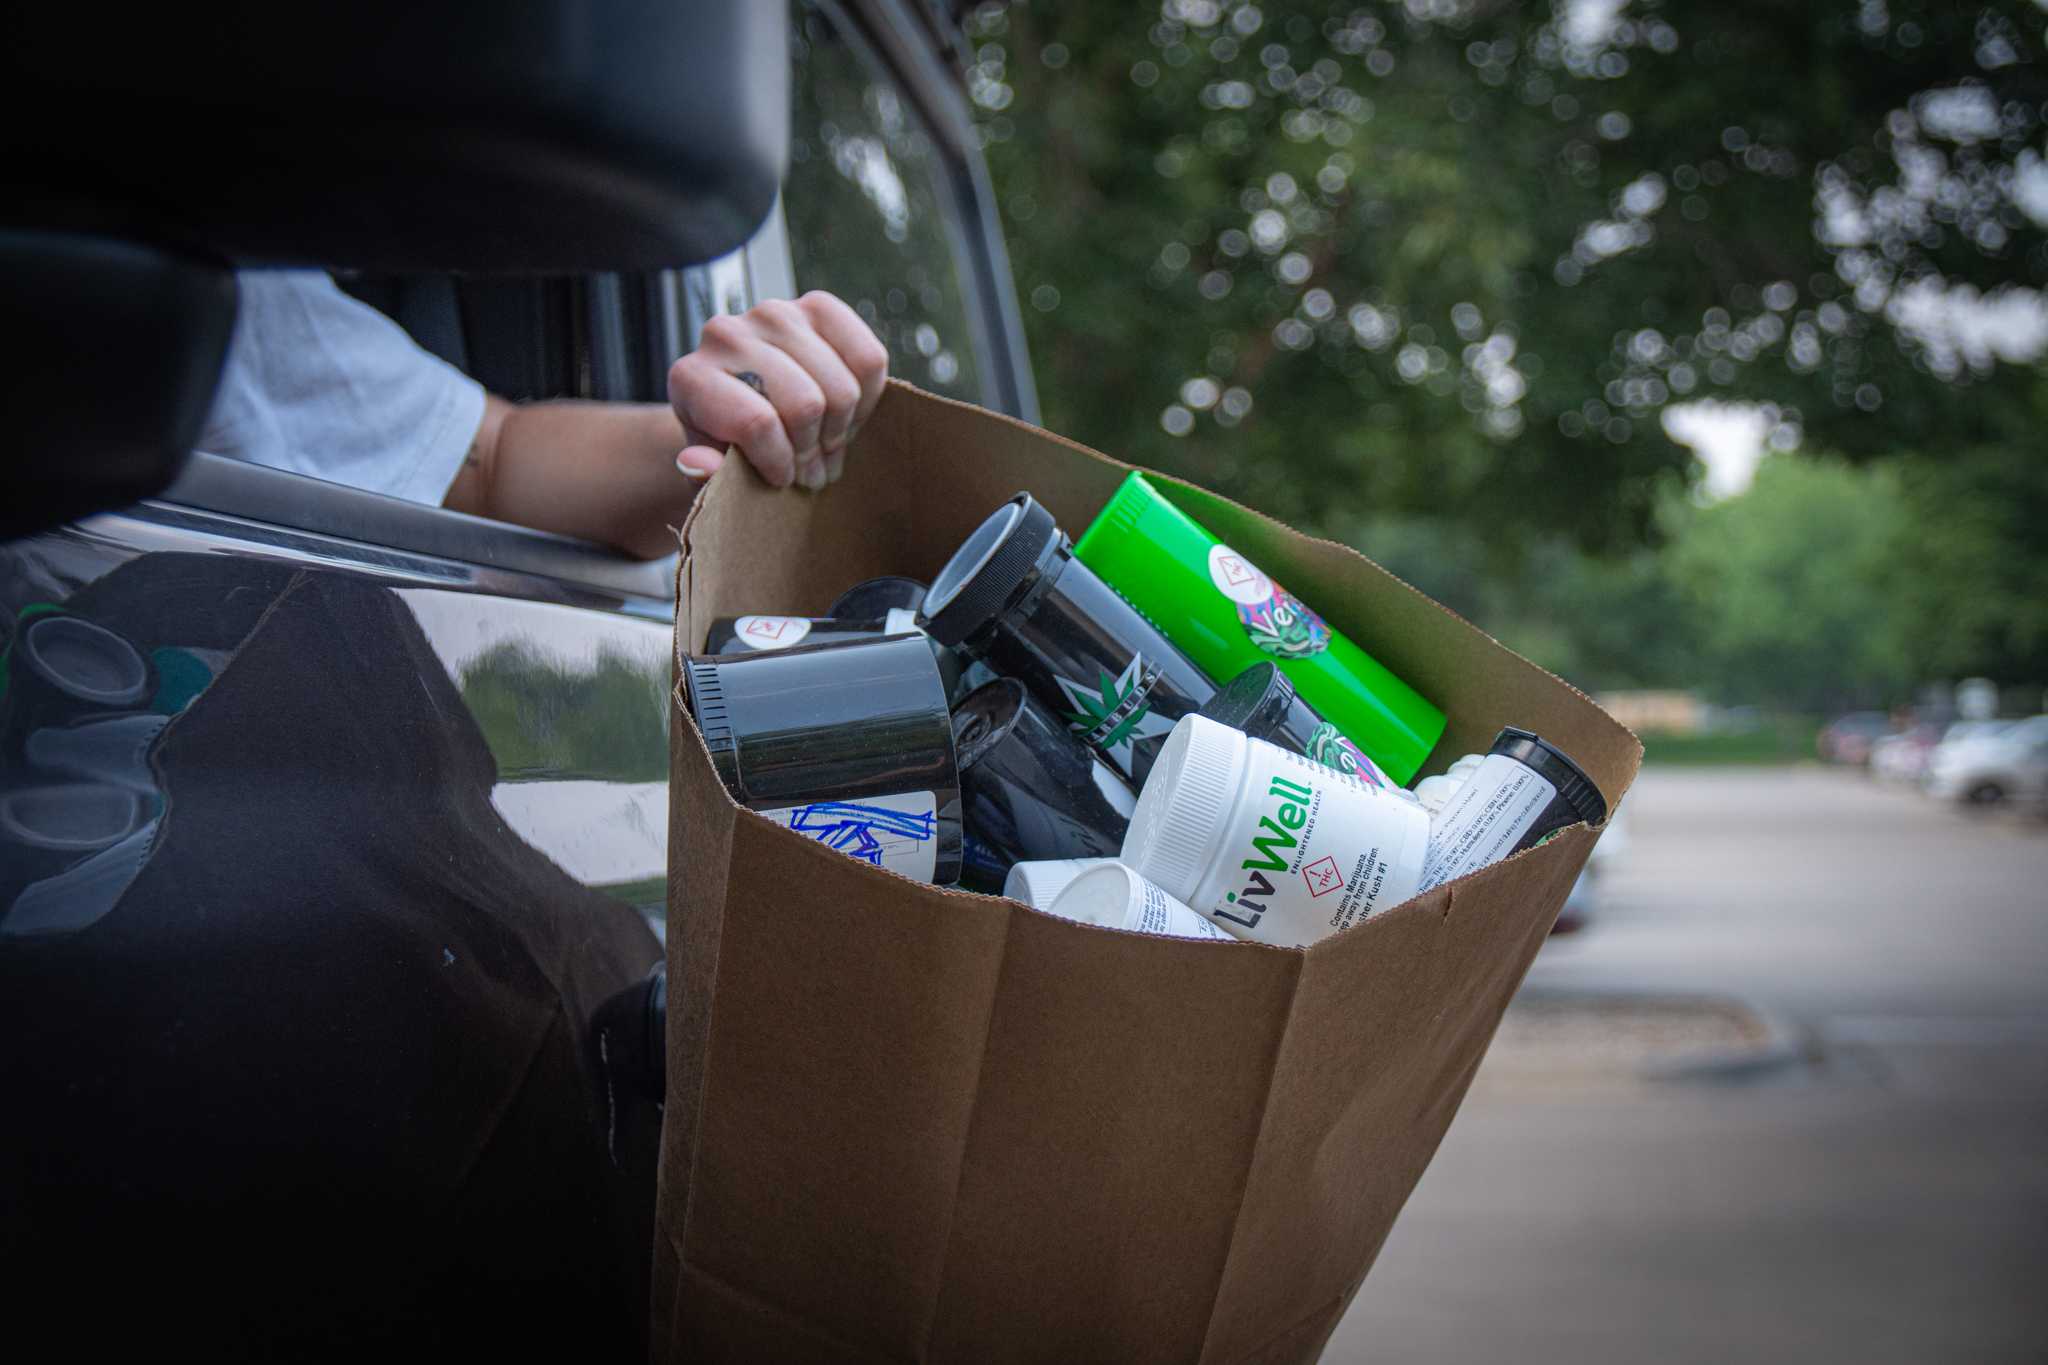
(1014, 594)
(1262, 702)
(1578, 796)
(1029, 788)
(875, 598)
(1525, 790)
(848, 744)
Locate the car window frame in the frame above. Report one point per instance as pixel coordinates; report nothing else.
(900, 42)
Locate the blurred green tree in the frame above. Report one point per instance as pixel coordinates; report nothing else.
(1453, 257)
(1796, 587)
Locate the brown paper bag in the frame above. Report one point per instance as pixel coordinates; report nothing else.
(910, 1124)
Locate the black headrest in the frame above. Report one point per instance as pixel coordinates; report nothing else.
(146, 151)
(543, 135)
(120, 347)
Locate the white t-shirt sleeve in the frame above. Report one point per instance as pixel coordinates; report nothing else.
(321, 384)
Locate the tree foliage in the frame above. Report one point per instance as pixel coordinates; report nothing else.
(1453, 257)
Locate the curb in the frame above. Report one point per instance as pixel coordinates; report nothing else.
(1784, 1046)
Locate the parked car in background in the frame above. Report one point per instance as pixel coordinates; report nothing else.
(1848, 738)
(1964, 730)
(1988, 769)
(1903, 757)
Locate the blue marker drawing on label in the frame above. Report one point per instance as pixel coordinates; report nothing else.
(897, 831)
(851, 828)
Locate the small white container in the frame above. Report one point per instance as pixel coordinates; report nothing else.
(1268, 845)
(1436, 792)
(1039, 883)
(1112, 895)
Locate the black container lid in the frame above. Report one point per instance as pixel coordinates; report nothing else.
(871, 599)
(983, 717)
(987, 570)
(1574, 788)
(783, 723)
(706, 695)
(1256, 701)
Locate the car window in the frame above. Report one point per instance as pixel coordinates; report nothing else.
(869, 209)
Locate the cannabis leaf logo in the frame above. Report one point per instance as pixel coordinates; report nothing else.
(1107, 715)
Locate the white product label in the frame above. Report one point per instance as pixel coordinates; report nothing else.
(899, 831)
(1158, 913)
(1495, 808)
(1315, 853)
(1237, 578)
(771, 632)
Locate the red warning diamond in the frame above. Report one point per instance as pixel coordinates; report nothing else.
(1321, 876)
(1236, 570)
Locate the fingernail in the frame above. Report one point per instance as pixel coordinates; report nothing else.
(814, 475)
(835, 465)
(690, 471)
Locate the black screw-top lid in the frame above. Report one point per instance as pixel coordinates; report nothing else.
(986, 571)
(706, 696)
(983, 717)
(1256, 701)
(1574, 788)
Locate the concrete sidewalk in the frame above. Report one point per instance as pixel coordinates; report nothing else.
(1886, 1202)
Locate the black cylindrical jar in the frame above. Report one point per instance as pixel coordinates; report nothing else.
(1014, 594)
(1262, 702)
(1029, 789)
(848, 744)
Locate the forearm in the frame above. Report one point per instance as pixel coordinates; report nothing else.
(599, 471)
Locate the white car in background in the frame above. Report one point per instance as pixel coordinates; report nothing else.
(1985, 769)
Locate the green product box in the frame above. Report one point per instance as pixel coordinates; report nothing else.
(1226, 615)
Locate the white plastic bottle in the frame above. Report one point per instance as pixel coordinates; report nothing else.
(1268, 845)
(1112, 894)
(1436, 792)
(1522, 792)
(1038, 883)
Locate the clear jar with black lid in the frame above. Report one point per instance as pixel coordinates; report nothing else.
(1014, 595)
(1262, 702)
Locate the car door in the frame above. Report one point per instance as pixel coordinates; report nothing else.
(329, 822)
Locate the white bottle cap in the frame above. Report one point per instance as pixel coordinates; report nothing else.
(1114, 896)
(1038, 884)
(1185, 807)
(1436, 792)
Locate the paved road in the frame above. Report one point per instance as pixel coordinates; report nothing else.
(1886, 1202)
